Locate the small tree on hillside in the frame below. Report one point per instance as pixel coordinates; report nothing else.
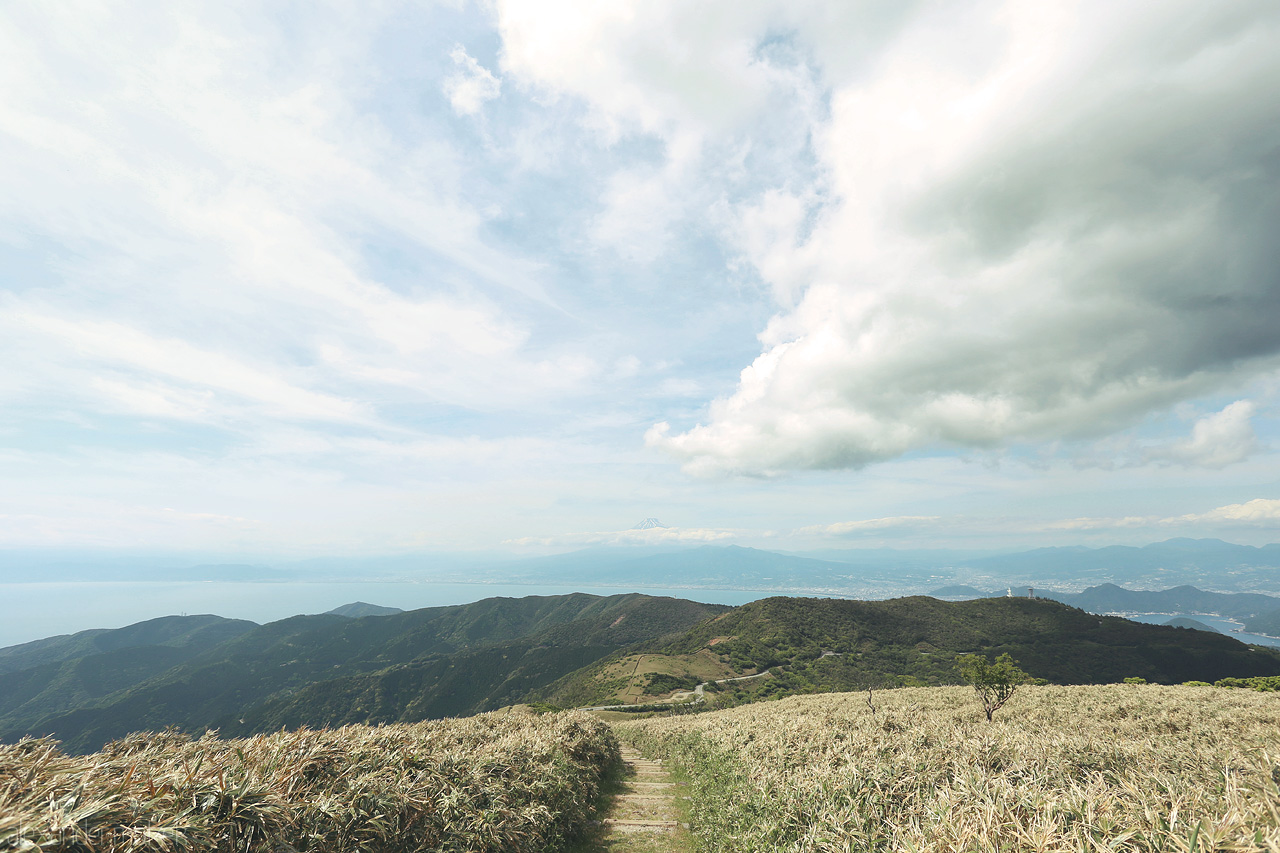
(993, 682)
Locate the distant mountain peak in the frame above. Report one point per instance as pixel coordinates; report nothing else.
(359, 609)
(649, 524)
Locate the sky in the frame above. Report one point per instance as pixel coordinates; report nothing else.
(371, 278)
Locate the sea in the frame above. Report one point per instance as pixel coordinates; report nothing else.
(33, 611)
(1227, 626)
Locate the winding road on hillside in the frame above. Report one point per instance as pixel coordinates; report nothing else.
(698, 694)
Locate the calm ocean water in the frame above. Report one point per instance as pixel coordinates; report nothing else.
(31, 611)
(1227, 626)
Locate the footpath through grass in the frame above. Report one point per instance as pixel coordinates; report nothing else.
(643, 810)
(1130, 767)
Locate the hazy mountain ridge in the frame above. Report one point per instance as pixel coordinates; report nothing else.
(1194, 624)
(1201, 562)
(1255, 610)
(360, 609)
(173, 631)
(864, 572)
(705, 565)
(1110, 598)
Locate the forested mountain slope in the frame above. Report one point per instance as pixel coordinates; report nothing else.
(833, 644)
(63, 673)
(477, 679)
(190, 632)
(217, 687)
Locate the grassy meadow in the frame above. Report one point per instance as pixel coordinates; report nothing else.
(1116, 767)
(507, 781)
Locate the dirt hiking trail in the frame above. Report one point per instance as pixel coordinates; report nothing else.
(643, 816)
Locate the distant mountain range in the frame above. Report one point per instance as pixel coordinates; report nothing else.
(705, 566)
(201, 672)
(863, 573)
(1110, 598)
(1253, 609)
(1205, 562)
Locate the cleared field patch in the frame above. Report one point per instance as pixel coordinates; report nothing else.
(629, 676)
(1060, 769)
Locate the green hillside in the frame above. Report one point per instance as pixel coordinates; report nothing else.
(1188, 622)
(582, 650)
(813, 644)
(480, 679)
(193, 632)
(360, 609)
(1264, 623)
(65, 673)
(322, 654)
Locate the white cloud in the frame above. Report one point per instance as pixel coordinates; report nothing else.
(1217, 440)
(1043, 223)
(1103, 523)
(652, 536)
(472, 85)
(1259, 512)
(1262, 511)
(870, 525)
(723, 87)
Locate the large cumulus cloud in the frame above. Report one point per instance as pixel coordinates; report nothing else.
(1030, 225)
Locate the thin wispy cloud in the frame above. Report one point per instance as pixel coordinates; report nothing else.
(870, 525)
(650, 536)
(1263, 512)
(471, 85)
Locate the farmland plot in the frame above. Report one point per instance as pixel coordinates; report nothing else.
(1060, 769)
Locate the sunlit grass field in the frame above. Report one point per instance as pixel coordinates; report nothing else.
(1118, 767)
(507, 781)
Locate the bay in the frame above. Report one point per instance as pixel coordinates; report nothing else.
(1227, 626)
(33, 611)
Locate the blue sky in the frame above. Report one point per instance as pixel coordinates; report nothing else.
(293, 279)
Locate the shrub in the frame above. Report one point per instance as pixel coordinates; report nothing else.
(994, 682)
